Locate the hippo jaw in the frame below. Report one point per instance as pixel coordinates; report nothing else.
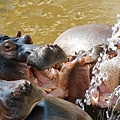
(18, 98)
(40, 57)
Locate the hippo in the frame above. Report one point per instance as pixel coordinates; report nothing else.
(16, 51)
(87, 43)
(18, 98)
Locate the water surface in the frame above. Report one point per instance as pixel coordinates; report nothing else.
(45, 20)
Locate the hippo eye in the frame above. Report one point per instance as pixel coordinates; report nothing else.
(9, 46)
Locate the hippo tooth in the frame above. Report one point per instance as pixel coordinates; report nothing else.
(48, 90)
(106, 99)
(95, 97)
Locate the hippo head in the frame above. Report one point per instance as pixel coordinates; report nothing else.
(17, 99)
(18, 56)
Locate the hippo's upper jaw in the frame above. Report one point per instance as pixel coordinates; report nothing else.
(45, 57)
(17, 99)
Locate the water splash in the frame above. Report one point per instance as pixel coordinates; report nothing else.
(115, 38)
(99, 76)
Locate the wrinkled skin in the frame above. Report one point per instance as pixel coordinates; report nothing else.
(18, 98)
(84, 38)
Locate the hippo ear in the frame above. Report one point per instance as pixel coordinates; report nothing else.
(18, 34)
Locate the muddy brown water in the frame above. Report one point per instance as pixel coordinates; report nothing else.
(45, 20)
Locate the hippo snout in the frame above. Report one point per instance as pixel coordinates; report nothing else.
(45, 57)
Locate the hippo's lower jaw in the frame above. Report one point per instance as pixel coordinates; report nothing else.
(18, 98)
(101, 97)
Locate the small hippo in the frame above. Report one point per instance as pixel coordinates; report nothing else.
(18, 98)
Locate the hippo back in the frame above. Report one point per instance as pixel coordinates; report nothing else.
(83, 37)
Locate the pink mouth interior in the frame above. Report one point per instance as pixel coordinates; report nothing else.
(101, 97)
(46, 82)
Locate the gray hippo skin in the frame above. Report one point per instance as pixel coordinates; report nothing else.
(83, 37)
(18, 98)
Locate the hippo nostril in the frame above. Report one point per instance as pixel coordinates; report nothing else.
(21, 87)
(27, 52)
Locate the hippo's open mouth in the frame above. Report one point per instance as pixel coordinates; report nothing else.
(101, 97)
